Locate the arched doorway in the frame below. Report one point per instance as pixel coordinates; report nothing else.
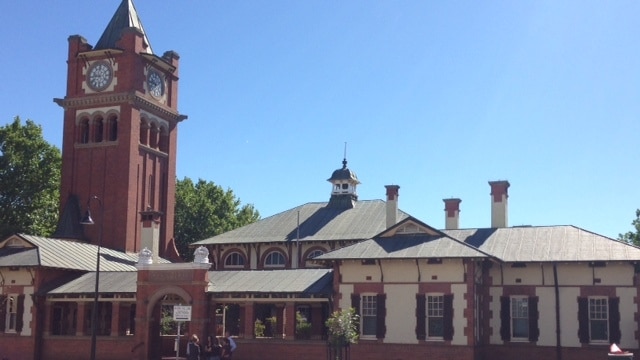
(162, 330)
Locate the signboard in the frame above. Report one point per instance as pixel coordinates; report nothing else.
(181, 313)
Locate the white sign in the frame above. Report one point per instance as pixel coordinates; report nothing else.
(181, 313)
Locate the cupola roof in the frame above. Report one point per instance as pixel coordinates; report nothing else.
(344, 174)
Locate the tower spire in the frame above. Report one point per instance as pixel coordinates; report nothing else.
(125, 17)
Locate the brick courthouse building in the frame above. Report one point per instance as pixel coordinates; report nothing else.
(557, 292)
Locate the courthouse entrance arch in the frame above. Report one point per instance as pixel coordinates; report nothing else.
(159, 287)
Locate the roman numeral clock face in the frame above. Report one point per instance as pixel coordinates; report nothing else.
(99, 75)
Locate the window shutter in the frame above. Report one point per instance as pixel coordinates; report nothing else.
(355, 304)
(505, 318)
(421, 316)
(448, 317)
(20, 313)
(3, 312)
(583, 319)
(614, 320)
(381, 328)
(534, 331)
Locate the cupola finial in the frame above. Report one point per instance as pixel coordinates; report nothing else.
(344, 159)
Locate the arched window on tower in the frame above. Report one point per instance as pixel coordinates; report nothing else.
(144, 132)
(98, 129)
(164, 140)
(153, 136)
(84, 131)
(112, 125)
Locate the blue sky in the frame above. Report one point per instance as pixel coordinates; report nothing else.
(438, 97)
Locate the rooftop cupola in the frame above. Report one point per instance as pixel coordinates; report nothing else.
(344, 183)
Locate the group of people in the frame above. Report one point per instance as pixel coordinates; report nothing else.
(215, 348)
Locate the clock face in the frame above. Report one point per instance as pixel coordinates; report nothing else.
(99, 75)
(155, 84)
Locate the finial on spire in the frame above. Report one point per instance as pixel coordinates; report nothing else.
(344, 160)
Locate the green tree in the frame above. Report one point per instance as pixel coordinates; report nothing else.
(632, 237)
(203, 210)
(29, 180)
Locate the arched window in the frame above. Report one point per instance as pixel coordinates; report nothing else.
(234, 260)
(98, 131)
(84, 131)
(153, 136)
(113, 127)
(274, 259)
(314, 253)
(144, 132)
(164, 140)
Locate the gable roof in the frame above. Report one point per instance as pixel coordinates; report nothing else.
(125, 17)
(318, 222)
(546, 243)
(65, 254)
(300, 281)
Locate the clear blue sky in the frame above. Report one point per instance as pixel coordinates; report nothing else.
(438, 97)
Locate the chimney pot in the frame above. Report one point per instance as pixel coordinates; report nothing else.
(452, 213)
(392, 204)
(499, 203)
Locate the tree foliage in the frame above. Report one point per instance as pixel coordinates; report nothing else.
(29, 180)
(632, 237)
(203, 210)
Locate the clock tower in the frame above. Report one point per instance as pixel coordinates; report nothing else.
(119, 139)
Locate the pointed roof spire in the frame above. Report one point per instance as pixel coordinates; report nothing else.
(126, 16)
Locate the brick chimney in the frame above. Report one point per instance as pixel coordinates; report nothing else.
(499, 203)
(452, 213)
(392, 204)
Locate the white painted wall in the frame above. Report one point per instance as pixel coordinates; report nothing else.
(345, 300)
(547, 310)
(459, 321)
(568, 316)
(494, 321)
(401, 314)
(628, 310)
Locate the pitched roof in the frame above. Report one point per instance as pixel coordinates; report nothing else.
(300, 281)
(65, 254)
(125, 17)
(110, 282)
(317, 222)
(405, 246)
(546, 243)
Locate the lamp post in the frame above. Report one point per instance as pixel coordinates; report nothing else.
(87, 220)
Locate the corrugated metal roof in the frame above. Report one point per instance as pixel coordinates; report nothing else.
(19, 257)
(546, 243)
(302, 281)
(110, 282)
(317, 223)
(72, 255)
(406, 246)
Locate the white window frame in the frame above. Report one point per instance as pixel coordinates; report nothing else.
(519, 313)
(274, 255)
(235, 264)
(598, 312)
(369, 310)
(434, 312)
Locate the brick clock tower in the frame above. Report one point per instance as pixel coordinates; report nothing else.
(119, 139)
